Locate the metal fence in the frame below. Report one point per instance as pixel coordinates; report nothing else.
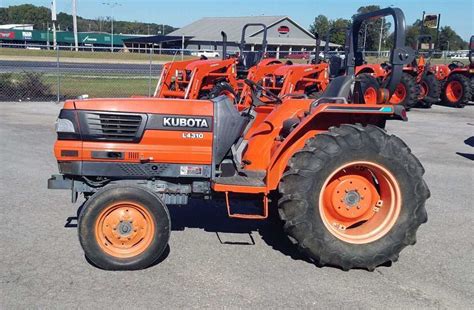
(39, 74)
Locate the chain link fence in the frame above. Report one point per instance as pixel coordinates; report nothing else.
(39, 74)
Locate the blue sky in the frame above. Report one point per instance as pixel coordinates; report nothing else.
(456, 13)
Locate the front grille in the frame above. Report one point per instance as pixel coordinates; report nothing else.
(113, 126)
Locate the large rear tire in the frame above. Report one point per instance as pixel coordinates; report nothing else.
(407, 92)
(353, 197)
(124, 228)
(457, 91)
(430, 91)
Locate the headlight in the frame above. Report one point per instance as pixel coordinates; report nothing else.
(64, 125)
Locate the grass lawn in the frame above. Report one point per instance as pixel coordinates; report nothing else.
(72, 86)
(100, 87)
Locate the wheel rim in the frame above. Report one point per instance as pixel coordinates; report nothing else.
(423, 90)
(399, 95)
(454, 91)
(370, 95)
(124, 229)
(360, 202)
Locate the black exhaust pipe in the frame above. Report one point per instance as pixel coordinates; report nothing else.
(224, 45)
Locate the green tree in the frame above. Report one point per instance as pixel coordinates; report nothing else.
(320, 25)
(339, 35)
(41, 16)
(447, 34)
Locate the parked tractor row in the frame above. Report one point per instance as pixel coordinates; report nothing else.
(421, 84)
(307, 139)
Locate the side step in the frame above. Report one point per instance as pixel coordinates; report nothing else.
(250, 182)
(262, 216)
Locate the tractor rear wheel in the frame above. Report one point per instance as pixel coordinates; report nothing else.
(457, 90)
(353, 197)
(406, 92)
(430, 90)
(472, 88)
(369, 86)
(124, 228)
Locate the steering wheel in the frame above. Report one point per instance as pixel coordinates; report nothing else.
(260, 91)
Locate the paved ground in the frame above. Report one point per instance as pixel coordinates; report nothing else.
(42, 264)
(80, 68)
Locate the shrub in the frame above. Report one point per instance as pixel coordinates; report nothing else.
(25, 86)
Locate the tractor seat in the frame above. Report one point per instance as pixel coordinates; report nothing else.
(248, 60)
(335, 64)
(339, 87)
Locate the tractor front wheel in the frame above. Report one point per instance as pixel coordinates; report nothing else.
(124, 228)
(353, 197)
(406, 92)
(457, 90)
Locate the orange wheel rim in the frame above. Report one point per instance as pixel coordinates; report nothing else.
(399, 95)
(423, 90)
(124, 229)
(454, 91)
(360, 202)
(370, 95)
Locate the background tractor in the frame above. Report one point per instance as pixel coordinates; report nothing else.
(349, 194)
(459, 86)
(209, 78)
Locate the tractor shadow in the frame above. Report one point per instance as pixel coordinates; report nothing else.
(447, 105)
(211, 216)
(470, 142)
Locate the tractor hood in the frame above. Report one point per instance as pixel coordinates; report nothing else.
(209, 63)
(144, 105)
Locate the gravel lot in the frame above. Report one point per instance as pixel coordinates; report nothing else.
(42, 263)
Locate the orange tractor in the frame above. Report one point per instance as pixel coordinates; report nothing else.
(310, 80)
(459, 86)
(420, 83)
(207, 79)
(296, 80)
(350, 194)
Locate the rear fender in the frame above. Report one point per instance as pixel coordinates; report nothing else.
(321, 118)
(374, 69)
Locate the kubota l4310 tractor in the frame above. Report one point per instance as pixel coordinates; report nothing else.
(350, 194)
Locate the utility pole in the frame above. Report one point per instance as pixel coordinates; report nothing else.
(182, 47)
(74, 23)
(112, 5)
(53, 18)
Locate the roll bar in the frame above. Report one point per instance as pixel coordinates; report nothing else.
(264, 41)
(400, 55)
